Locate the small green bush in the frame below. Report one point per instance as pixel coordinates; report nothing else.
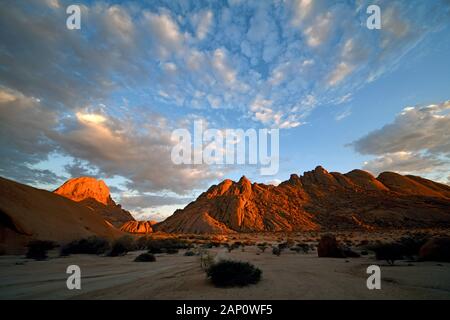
(37, 249)
(145, 257)
(233, 273)
(189, 253)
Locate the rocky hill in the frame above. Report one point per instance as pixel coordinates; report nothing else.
(95, 194)
(318, 200)
(27, 213)
(140, 227)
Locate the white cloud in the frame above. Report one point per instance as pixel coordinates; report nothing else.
(222, 66)
(418, 141)
(344, 114)
(319, 32)
(341, 71)
(203, 22)
(405, 162)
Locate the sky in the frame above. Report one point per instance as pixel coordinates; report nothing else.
(104, 100)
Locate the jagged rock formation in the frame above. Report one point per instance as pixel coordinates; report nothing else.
(95, 194)
(141, 227)
(318, 200)
(28, 213)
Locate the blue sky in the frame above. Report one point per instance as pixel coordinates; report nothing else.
(103, 100)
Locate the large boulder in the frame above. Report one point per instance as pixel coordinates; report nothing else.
(436, 249)
(329, 247)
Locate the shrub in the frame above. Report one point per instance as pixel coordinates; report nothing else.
(276, 251)
(37, 249)
(388, 251)
(304, 247)
(161, 245)
(171, 251)
(233, 246)
(262, 246)
(141, 243)
(206, 260)
(233, 273)
(145, 257)
(121, 246)
(282, 245)
(189, 253)
(412, 244)
(91, 245)
(208, 245)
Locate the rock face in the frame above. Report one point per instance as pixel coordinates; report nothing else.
(28, 213)
(95, 194)
(436, 249)
(140, 227)
(318, 200)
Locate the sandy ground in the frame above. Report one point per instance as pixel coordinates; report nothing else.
(289, 276)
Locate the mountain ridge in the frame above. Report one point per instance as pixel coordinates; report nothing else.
(317, 200)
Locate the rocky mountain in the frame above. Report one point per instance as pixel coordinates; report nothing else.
(317, 200)
(140, 227)
(95, 194)
(28, 213)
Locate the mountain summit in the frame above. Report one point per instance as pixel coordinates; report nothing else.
(95, 194)
(317, 200)
(79, 189)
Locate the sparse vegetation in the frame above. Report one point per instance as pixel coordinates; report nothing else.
(145, 257)
(189, 253)
(163, 245)
(171, 250)
(276, 251)
(121, 246)
(262, 246)
(141, 243)
(388, 251)
(232, 246)
(206, 260)
(38, 249)
(233, 273)
(91, 245)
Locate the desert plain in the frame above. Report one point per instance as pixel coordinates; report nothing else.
(291, 275)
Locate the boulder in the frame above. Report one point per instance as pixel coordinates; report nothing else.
(329, 247)
(436, 249)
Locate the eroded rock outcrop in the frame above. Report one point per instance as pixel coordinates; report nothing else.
(95, 194)
(317, 200)
(27, 213)
(140, 227)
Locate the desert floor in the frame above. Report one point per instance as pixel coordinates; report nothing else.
(289, 276)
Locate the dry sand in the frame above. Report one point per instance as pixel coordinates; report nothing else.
(289, 276)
